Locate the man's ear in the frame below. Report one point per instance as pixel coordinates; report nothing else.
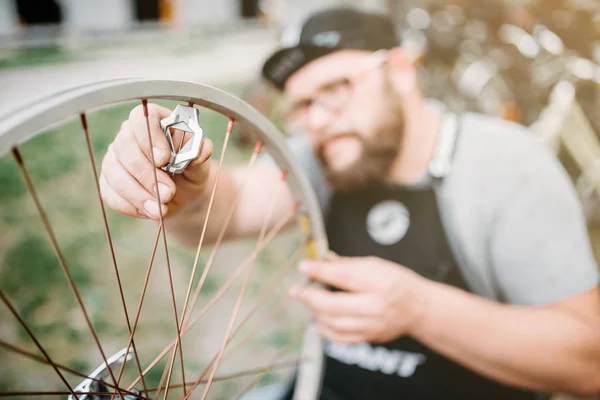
(402, 72)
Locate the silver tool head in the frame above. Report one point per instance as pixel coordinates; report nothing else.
(186, 119)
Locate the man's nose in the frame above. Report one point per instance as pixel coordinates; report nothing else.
(318, 117)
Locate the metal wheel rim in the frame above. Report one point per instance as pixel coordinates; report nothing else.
(27, 121)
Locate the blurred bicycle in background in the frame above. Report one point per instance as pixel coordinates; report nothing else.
(497, 58)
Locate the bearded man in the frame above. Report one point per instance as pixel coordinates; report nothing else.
(464, 268)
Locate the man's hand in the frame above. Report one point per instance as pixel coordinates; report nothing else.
(382, 300)
(127, 180)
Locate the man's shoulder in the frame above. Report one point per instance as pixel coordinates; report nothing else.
(506, 189)
(496, 139)
(490, 148)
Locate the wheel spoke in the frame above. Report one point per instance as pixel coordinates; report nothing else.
(275, 360)
(164, 375)
(274, 314)
(205, 225)
(200, 243)
(270, 288)
(253, 371)
(88, 141)
(273, 232)
(244, 373)
(240, 296)
(231, 350)
(240, 269)
(164, 235)
(42, 360)
(23, 394)
(59, 255)
(141, 302)
(226, 223)
(14, 312)
(244, 327)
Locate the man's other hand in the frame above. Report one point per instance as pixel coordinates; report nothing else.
(380, 301)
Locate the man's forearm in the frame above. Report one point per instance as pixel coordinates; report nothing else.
(187, 225)
(539, 348)
(242, 205)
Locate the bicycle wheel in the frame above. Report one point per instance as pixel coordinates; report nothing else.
(155, 318)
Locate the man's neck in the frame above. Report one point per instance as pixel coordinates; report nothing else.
(420, 137)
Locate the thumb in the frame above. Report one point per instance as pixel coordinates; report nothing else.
(198, 170)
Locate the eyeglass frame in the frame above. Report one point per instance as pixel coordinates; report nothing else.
(375, 60)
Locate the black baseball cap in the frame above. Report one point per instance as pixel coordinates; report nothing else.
(324, 33)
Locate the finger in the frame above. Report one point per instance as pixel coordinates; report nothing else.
(129, 154)
(331, 255)
(116, 202)
(355, 274)
(127, 187)
(346, 325)
(334, 336)
(160, 150)
(197, 172)
(322, 301)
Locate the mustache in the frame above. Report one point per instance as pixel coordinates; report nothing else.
(323, 142)
(381, 146)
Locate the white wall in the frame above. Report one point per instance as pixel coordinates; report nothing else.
(372, 5)
(8, 17)
(97, 14)
(119, 14)
(294, 11)
(288, 12)
(211, 12)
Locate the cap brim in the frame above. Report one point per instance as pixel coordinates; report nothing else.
(285, 62)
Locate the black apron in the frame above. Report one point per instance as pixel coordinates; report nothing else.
(370, 222)
(403, 225)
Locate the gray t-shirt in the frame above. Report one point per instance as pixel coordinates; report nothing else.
(511, 214)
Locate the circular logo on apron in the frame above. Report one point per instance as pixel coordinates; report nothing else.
(387, 222)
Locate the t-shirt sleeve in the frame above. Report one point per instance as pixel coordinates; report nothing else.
(302, 151)
(539, 246)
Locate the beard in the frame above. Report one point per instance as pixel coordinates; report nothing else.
(378, 151)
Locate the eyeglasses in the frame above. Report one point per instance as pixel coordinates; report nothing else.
(333, 96)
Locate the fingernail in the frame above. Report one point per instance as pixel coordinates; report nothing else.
(304, 267)
(152, 208)
(158, 155)
(164, 191)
